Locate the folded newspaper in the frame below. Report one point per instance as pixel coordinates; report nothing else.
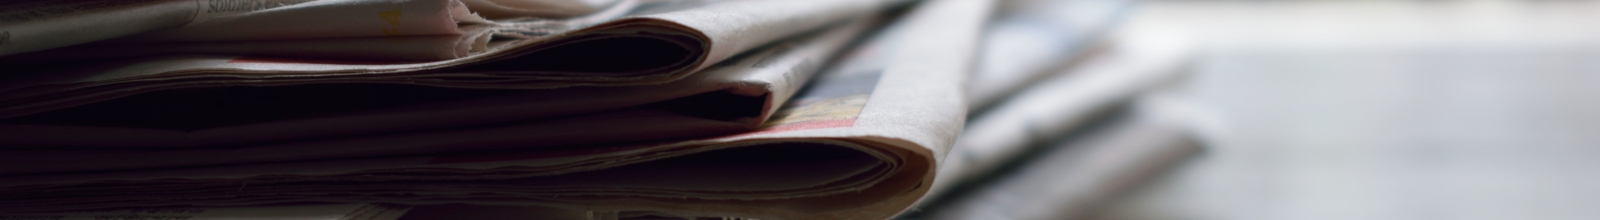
(862, 142)
(662, 41)
(282, 117)
(734, 96)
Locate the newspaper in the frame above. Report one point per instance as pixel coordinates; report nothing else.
(734, 96)
(472, 39)
(39, 25)
(500, 9)
(863, 142)
(407, 30)
(349, 211)
(250, 20)
(1060, 104)
(663, 40)
(1075, 177)
(338, 211)
(1032, 39)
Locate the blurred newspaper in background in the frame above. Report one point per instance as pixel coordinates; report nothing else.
(1004, 167)
(1044, 75)
(1032, 39)
(1071, 178)
(863, 141)
(1061, 104)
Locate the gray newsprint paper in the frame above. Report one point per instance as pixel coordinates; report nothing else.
(1031, 39)
(1073, 178)
(1060, 104)
(864, 141)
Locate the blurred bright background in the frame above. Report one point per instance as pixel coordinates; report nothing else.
(1384, 110)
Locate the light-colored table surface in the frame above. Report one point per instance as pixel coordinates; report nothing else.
(1385, 110)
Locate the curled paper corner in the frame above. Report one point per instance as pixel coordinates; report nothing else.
(464, 15)
(475, 40)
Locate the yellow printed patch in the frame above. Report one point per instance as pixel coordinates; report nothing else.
(392, 16)
(840, 108)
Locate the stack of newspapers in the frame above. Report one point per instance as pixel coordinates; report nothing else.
(574, 109)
